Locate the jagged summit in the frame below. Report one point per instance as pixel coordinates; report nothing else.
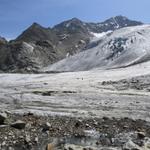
(75, 20)
(112, 24)
(73, 25)
(36, 32)
(119, 17)
(122, 21)
(35, 24)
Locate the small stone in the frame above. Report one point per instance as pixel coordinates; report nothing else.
(45, 83)
(21, 137)
(95, 123)
(27, 139)
(10, 148)
(97, 143)
(36, 140)
(3, 143)
(10, 133)
(125, 127)
(14, 142)
(141, 135)
(46, 126)
(28, 125)
(130, 146)
(82, 42)
(105, 118)
(19, 124)
(87, 125)
(105, 126)
(30, 114)
(50, 147)
(78, 123)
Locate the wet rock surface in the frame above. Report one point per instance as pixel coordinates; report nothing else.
(66, 133)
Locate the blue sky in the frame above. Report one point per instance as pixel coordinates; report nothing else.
(16, 15)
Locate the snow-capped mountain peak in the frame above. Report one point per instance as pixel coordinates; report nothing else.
(124, 47)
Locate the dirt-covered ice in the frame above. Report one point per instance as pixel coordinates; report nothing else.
(80, 94)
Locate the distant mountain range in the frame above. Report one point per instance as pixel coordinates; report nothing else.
(38, 47)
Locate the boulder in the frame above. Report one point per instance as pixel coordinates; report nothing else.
(18, 124)
(141, 135)
(3, 117)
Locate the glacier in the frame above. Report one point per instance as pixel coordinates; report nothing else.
(121, 48)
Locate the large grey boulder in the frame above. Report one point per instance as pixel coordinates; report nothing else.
(3, 117)
(18, 124)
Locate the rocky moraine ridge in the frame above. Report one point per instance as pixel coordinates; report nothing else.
(29, 132)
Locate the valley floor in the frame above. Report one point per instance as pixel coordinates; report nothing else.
(119, 93)
(83, 94)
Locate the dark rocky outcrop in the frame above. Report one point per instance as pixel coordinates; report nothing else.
(27, 57)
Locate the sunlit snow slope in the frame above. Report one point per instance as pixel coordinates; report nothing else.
(121, 48)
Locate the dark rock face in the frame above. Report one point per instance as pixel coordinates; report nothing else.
(37, 33)
(25, 57)
(112, 24)
(38, 46)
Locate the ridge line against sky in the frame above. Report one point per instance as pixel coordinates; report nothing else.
(17, 15)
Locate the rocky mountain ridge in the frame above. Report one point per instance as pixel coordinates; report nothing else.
(38, 46)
